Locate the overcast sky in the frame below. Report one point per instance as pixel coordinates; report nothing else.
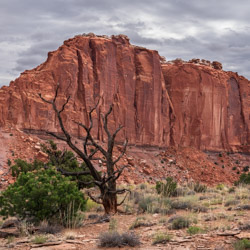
(214, 30)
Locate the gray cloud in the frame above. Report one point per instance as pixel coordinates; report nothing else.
(213, 30)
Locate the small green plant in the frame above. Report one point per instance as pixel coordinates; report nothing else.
(180, 222)
(22, 166)
(145, 203)
(167, 189)
(194, 230)
(220, 186)
(140, 222)
(39, 239)
(246, 169)
(242, 244)
(243, 179)
(161, 238)
(179, 204)
(113, 225)
(91, 205)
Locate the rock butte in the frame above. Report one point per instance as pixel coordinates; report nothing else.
(160, 104)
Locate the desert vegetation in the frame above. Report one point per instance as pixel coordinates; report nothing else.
(149, 216)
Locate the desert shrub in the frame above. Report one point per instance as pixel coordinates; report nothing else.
(161, 238)
(143, 186)
(231, 190)
(194, 230)
(167, 189)
(243, 207)
(71, 218)
(39, 239)
(91, 205)
(246, 169)
(199, 208)
(243, 179)
(181, 205)
(145, 204)
(42, 194)
(113, 225)
(200, 188)
(180, 222)
(180, 191)
(140, 222)
(231, 202)
(242, 244)
(114, 239)
(66, 161)
(201, 198)
(245, 225)
(47, 228)
(191, 192)
(220, 186)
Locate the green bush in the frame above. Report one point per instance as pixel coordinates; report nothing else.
(244, 179)
(242, 244)
(161, 238)
(41, 194)
(66, 161)
(22, 166)
(167, 189)
(194, 230)
(180, 222)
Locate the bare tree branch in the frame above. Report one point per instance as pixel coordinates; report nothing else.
(123, 152)
(105, 121)
(63, 106)
(68, 173)
(93, 198)
(128, 192)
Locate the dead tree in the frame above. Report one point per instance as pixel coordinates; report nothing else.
(106, 182)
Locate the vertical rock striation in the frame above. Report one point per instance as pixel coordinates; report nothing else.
(211, 107)
(160, 104)
(88, 68)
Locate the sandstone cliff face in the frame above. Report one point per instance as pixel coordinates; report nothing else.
(159, 104)
(88, 68)
(211, 107)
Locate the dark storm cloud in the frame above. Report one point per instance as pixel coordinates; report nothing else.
(213, 30)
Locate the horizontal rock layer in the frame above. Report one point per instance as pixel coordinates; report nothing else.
(159, 104)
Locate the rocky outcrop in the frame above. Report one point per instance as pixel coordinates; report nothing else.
(211, 107)
(159, 103)
(89, 67)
